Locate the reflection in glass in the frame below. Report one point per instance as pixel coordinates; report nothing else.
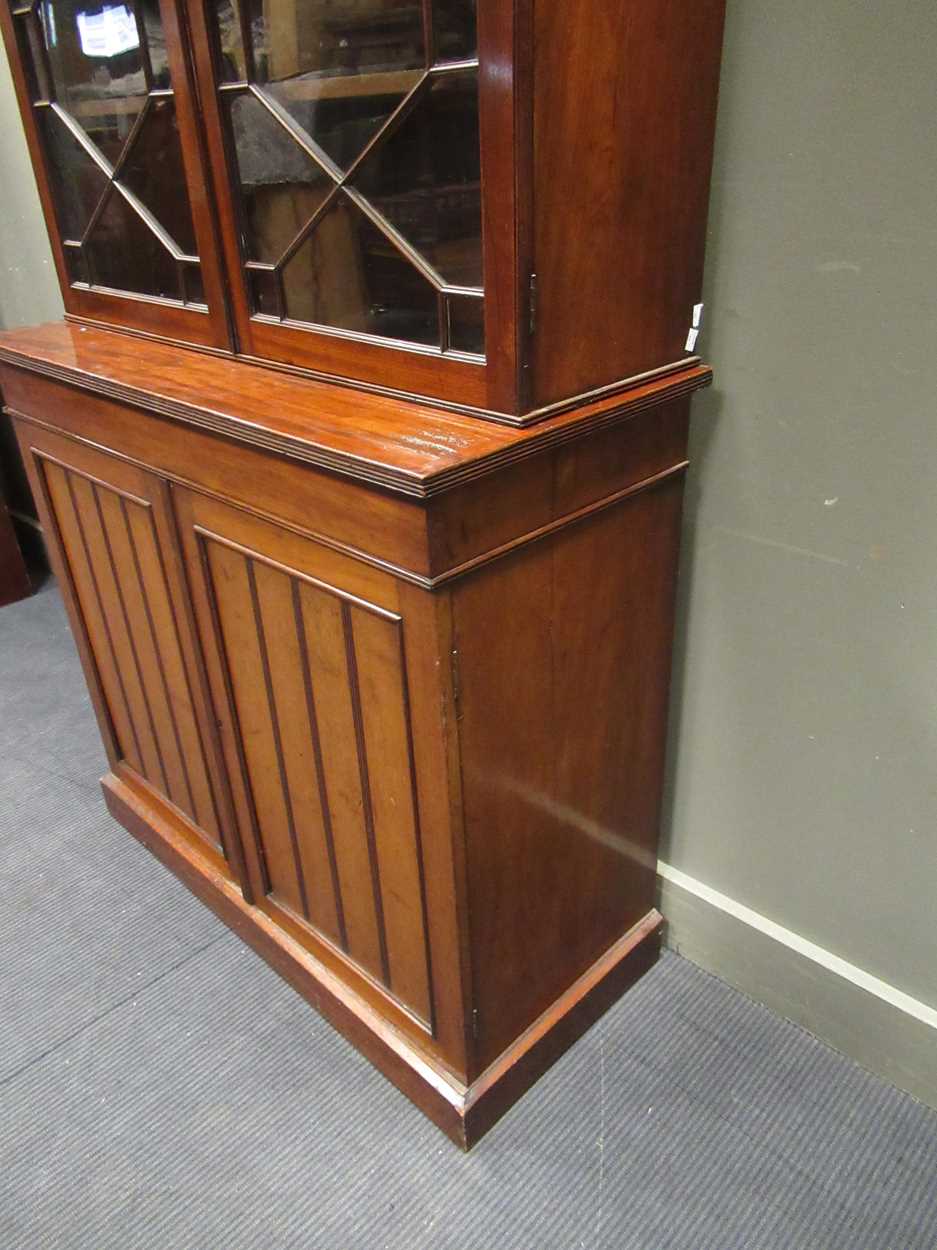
(282, 186)
(192, 279)
(425, 179)
(153, 172)
(124, 254)
(98, 60)
(455, 29)
(231, 66)
(77, 183)
(342, 115)
(109, 81)
(333, 94)
(328, 37)
(75, 264)
(34, 58)
(265, 292)
(339, 68)
(349, 276)
(466, 323)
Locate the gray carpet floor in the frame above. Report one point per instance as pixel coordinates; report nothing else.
(160, 1088)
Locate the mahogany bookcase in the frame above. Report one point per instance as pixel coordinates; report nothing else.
(360, 453)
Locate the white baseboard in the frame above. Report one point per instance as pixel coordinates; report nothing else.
(881, 1027)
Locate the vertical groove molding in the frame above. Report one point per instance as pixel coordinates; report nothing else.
(111, 550)
(319, 706)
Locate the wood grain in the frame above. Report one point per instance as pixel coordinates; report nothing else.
(404, 447)
(624, 125)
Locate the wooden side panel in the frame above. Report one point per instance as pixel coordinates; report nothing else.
(14, 576)
(624, 123)
(563, 656)
(311, 684)
(112, 555)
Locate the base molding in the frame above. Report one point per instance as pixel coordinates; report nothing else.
(463, 1112)
(886, 1032)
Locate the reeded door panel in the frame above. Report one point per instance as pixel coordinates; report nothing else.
(306, 655)
(105, 517)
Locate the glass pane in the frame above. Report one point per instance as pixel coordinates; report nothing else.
(455, 29)
(78, 185)
(194, 289)
(338, 67)
(265, 292)
(75, 264)
(425, 179)
(98, 56)
(335, 37)
(34, 57)
(125, 254)
(343, 114)
(231, 67)
(282, 186)
(349, 276)
(466, 324)
(154, 173)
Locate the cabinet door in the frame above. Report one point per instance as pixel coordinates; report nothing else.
(316, 691)
(352, 140)
(107, 106)
(109, 528)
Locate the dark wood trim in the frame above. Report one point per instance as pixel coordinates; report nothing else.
(505, 129)
(464, 1113)
(298, 865)
(354, 686)
(324, 802)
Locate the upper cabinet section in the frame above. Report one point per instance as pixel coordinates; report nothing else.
(348, 163)
(108, 116)
(499, 205)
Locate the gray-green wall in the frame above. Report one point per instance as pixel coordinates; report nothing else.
(800, 842)
(29, 291)
(803, 775)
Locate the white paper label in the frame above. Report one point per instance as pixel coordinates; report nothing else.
(691, 340)
(108, 33)
(698, 315)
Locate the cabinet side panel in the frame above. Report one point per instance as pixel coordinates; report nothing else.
(564, 664)
(624, 121)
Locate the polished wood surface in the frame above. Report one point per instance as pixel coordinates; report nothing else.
(413, 449)
(378, 635)
(625, 114)
(562, 761)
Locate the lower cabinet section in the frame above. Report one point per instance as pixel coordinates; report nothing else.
(431, 805)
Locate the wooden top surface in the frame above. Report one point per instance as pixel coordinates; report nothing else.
(405, 446)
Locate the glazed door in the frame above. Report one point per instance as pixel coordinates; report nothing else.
(317, 683)
(106, 101)
(361, 152)
(110, 533)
